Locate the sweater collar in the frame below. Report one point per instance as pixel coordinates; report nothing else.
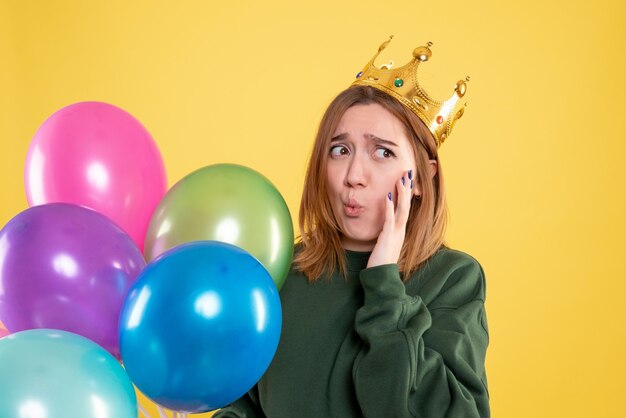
(356, 260)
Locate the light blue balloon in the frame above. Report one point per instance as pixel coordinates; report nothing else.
(200, 326)
(50, 373)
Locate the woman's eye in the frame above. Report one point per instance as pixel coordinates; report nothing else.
(384, 153)
(338, 150)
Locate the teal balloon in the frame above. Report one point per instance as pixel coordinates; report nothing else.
(228, 203)
(50, 373)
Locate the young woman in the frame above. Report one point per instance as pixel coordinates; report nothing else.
(380, 318)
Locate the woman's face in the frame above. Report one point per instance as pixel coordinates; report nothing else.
(369, 152)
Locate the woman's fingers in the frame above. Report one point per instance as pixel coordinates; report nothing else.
(389, 243)
(404, 190)
(389, 214)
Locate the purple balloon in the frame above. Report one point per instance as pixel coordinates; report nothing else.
(66, 267)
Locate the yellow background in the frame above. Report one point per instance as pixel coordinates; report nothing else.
(534, 170)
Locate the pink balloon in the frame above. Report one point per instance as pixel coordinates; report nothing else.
(3, 332)
(97, 155)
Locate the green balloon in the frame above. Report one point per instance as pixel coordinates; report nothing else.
(228, 203)
(51, 373)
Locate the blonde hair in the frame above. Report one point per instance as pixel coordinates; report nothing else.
(320, 249)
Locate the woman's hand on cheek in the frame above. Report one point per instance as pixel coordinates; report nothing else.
(389, 242)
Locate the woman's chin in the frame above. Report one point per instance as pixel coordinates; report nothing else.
(356, 243)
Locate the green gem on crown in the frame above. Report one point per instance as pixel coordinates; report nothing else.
(399, 82)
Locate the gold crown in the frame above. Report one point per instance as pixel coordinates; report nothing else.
(402, 84)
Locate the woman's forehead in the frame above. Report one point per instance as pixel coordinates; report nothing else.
(371, 122)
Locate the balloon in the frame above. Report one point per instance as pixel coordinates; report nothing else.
(97, 155)
(66, 267)
(3, 332)
(228, 203)
(200, 326)
(51, 373)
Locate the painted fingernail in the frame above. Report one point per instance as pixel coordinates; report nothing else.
(389, 195)
(411, 184)
(403, 183)
(410, 174)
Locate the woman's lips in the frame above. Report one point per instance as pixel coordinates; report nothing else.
(353, 208)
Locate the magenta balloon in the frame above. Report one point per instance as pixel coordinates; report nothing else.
(66, 267)
(97, 155)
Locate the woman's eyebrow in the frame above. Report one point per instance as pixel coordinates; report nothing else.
(339, 137)
(380, 140)
(343, 136)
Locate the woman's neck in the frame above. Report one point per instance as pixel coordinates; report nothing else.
(360, 246)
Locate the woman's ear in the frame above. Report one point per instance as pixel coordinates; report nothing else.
(433, 167)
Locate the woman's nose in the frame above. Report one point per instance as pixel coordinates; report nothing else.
(356, 174)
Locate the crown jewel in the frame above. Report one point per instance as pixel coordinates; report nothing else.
(401, 83)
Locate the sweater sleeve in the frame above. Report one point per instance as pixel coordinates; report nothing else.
(245, 407)
(418, 360)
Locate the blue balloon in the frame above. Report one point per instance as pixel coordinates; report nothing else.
(200, 326)
(52, 373)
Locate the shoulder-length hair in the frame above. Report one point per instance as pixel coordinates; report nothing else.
(320, 251)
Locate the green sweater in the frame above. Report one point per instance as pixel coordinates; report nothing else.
(373, 346)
